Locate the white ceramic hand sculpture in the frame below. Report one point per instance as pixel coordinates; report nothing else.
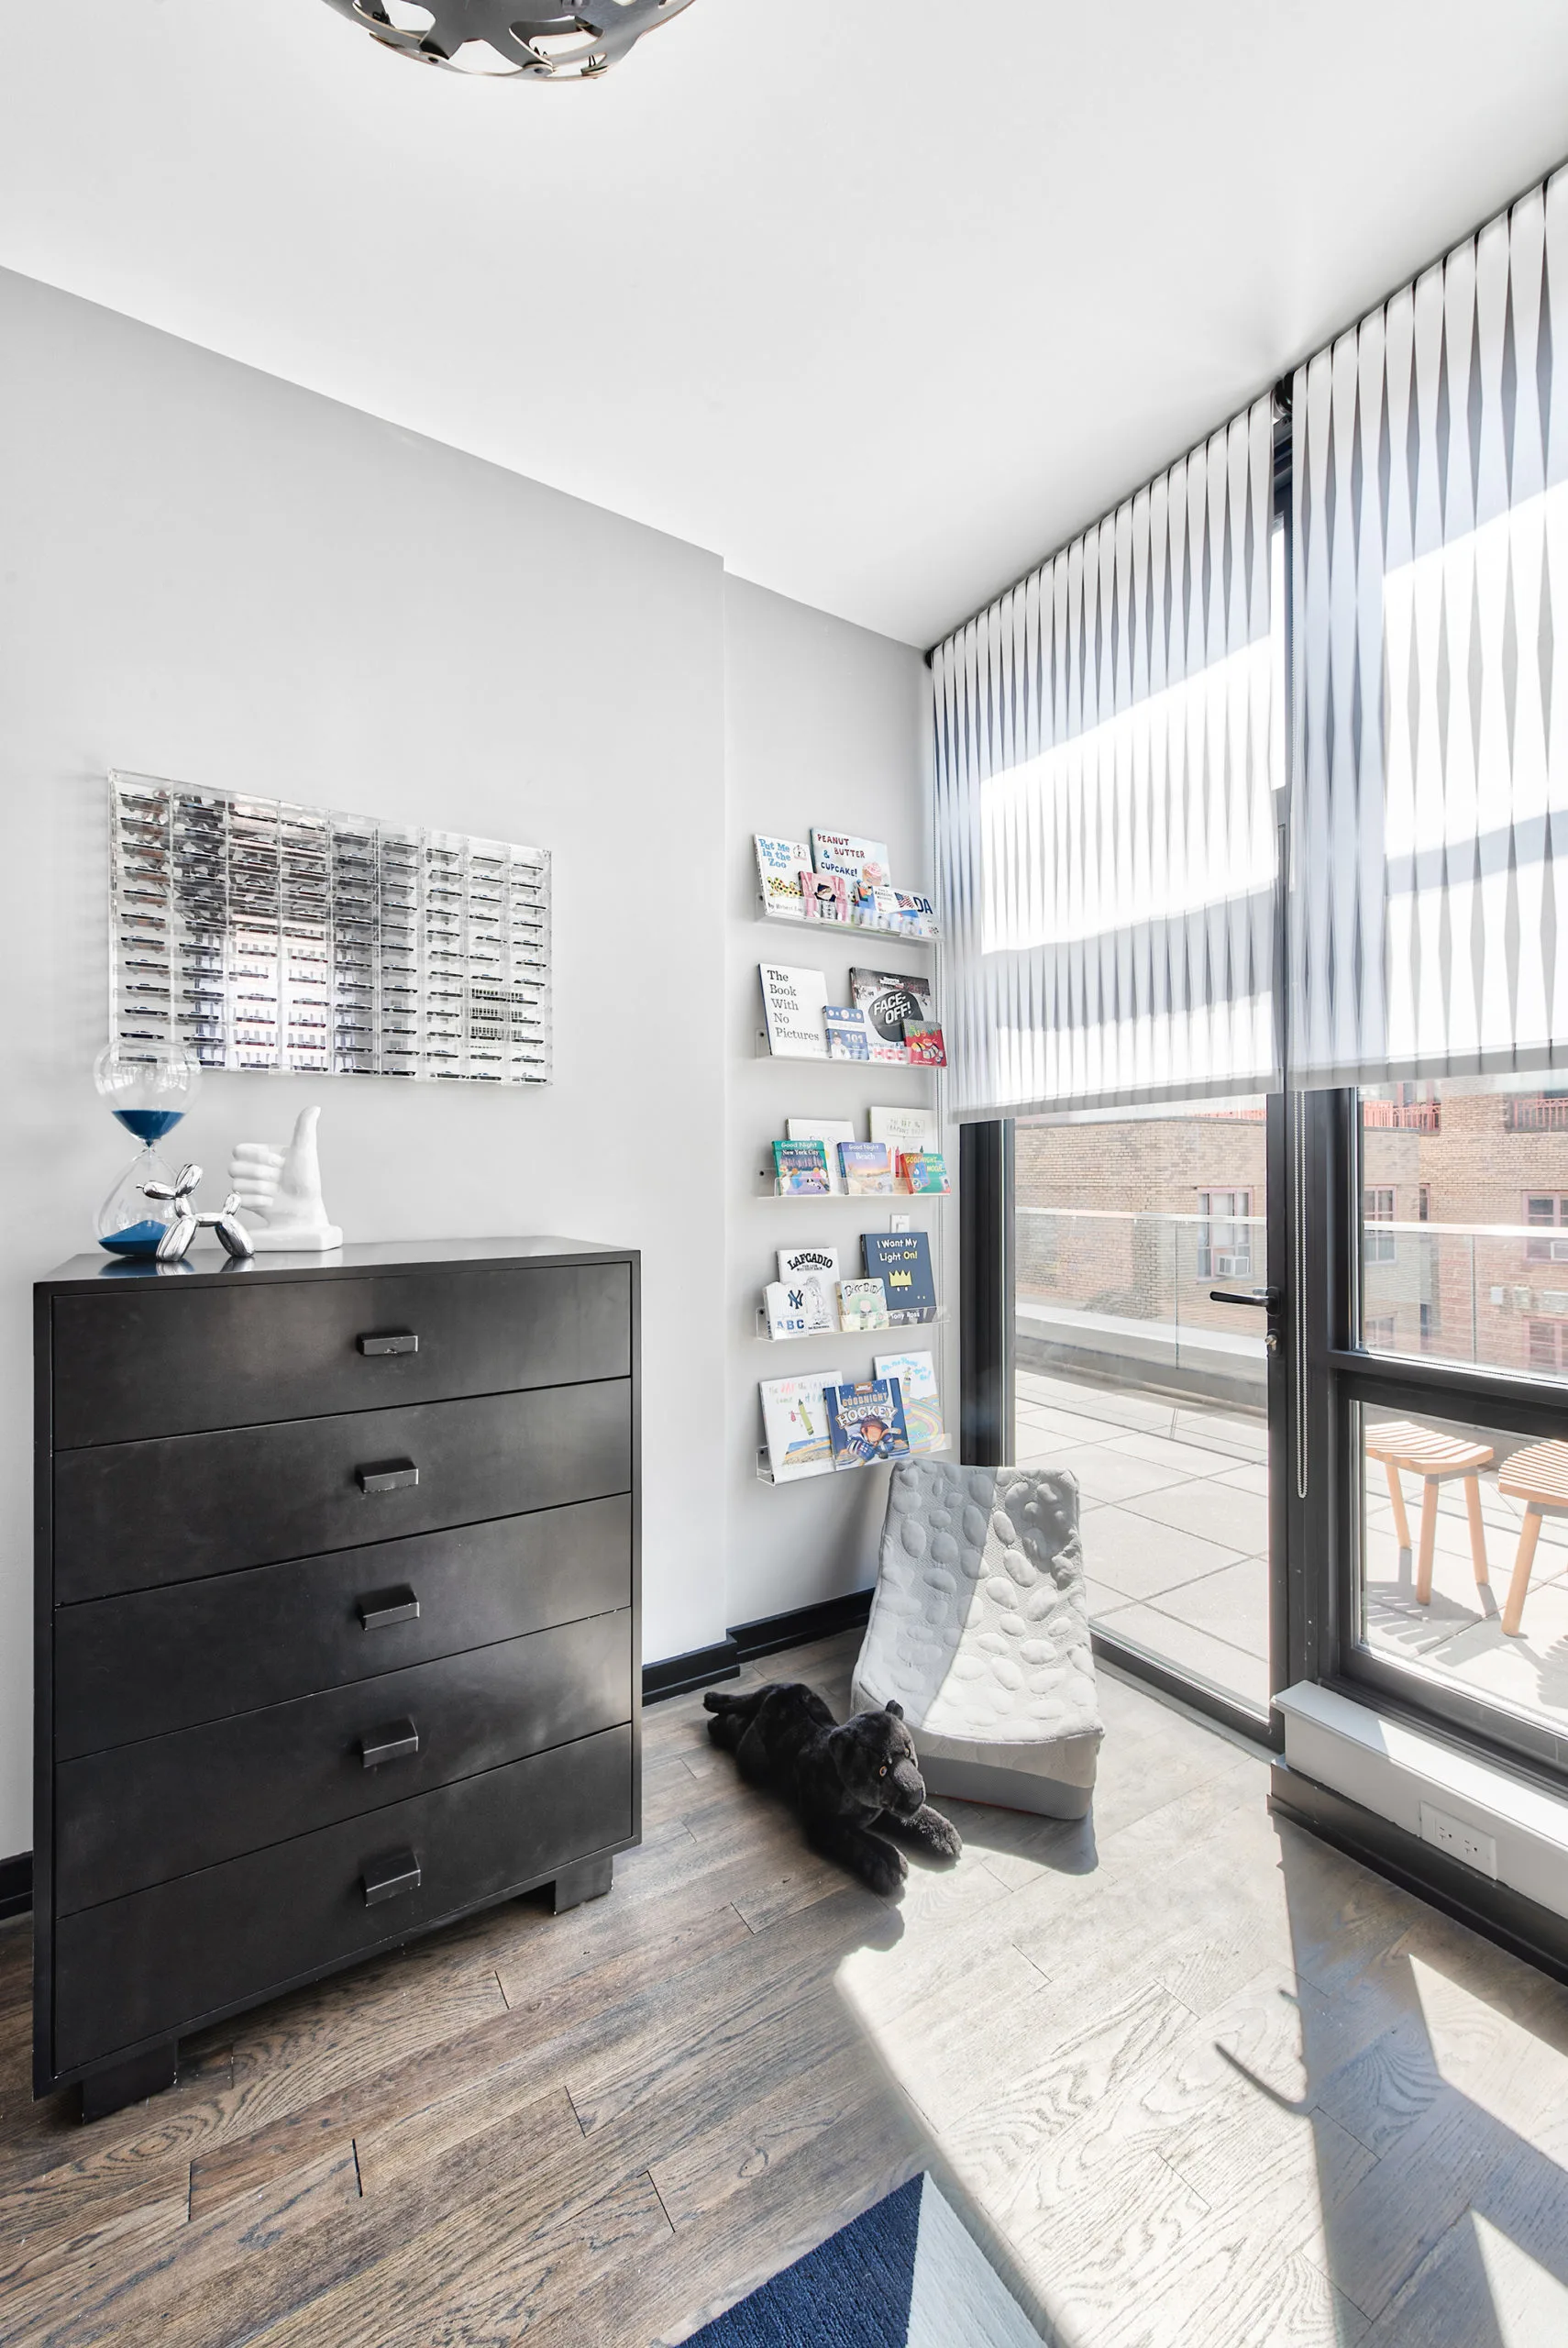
(280, 1192)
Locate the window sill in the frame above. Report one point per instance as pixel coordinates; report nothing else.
(1392, 1769)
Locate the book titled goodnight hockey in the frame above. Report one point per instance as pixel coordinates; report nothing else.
(865, 1422)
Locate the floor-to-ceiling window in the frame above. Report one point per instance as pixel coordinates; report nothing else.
(1455, 1559)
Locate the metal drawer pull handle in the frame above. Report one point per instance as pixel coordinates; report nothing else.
(382, 1607)
(387, 1476)
(394, 1741)
(392, 1341)
(389, 1876)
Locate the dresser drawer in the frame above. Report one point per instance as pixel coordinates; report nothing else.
(160, 1659)
(145, 1360)
(165, 1960)
(163, 1808)
(132, 1515)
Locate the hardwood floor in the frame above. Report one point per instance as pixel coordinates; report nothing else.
(1190, 2076)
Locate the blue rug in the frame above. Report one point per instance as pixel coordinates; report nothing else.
(906, 2275)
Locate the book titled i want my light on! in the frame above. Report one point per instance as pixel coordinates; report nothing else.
(902, 1261)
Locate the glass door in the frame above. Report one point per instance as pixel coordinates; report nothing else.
(1146, 1360)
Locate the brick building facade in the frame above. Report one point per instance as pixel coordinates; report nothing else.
(1466, 1221)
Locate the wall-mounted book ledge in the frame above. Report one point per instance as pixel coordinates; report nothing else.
(816, 925)
(765, 1474)
(882, 1329)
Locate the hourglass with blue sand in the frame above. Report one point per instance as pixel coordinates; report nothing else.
(148, 1087)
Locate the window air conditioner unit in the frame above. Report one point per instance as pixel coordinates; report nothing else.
(1233, 1268)
(1560, 1251)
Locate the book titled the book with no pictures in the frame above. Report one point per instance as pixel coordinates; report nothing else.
(793, 1003)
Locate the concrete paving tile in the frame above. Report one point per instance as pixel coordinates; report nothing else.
(1182, 1458)
(1130, 1554)
(1232, 1604)
(1185, 1648)
(1215, 1512)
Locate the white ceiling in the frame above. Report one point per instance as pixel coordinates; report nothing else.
(879, 299)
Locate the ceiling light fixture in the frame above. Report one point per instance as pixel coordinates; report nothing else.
(488, 36)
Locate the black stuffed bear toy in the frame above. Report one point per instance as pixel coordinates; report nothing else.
(852, 1786)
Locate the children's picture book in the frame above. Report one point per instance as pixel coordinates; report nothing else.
(915, 915)
(797, 1309)
(868, 1169)
(916, 1374)
(905, 1129)
(829, 1132)
(848, 1036)
(825, 895)
(925, 1171)
(889, 998)
(923, 1041)
(862, 1304)
(793, 1003)
(863, 897)
(800, 1169)
(866, 1423)
(795, 1421)
(856, 860)
(778, 867)
(786, 1311)
(902, 1261)
(813, 1271)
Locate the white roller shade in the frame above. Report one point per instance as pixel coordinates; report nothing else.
(1429, 851)
(1105, 836)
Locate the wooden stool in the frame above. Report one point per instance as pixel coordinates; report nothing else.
(1434, 1457)
(1539, 1477)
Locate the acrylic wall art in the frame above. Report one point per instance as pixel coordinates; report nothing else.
(261, 934)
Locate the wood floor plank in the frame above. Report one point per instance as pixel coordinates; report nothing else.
(504, 2298)
(784, 2212)
(736, 2146)
(1193, 2076)
(717, 2005)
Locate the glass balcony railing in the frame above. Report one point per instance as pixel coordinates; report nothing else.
(1125, 1297)
(1491, 1296)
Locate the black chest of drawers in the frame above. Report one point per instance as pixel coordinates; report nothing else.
(338, 1616)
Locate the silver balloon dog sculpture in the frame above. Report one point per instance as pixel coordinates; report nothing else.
(175, 1243)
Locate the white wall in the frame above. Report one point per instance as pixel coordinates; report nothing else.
(209, 574)
(826, 725)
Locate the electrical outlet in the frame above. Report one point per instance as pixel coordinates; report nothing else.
(1461, 1842)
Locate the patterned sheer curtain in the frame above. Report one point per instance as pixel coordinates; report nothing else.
(1429, 836)
(1105, 828)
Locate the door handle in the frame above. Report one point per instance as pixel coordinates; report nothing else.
(1262, 1300)
(390, 1341)
(390, 1876)
(387, 1476)
(380, 1608)
(394, 1741)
